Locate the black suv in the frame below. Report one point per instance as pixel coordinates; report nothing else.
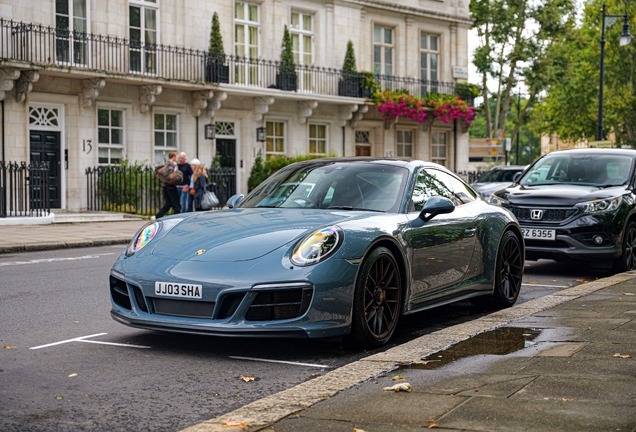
(577, 205)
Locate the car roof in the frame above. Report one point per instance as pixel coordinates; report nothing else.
(619, 151)
(402, 162)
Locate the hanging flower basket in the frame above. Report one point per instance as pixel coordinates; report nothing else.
(446, 108)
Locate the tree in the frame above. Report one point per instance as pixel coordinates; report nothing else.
(287, 55)
(350, 59)
(570, 107)
(518, 47)
(216, 40)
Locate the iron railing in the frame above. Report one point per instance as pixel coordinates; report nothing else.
(24, 189)
(45, 46)
(136, 189)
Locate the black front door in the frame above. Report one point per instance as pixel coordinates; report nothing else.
(226, 151)
(46, 146)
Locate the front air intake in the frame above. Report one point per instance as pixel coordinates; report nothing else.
(279, 304)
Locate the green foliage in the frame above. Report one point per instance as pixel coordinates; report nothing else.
(287, 66)
(570, 107)
(129, 188)
(466, 90)
(216, 41)
(260, 171)
(369, 82)
(350, 59)
(257, 173)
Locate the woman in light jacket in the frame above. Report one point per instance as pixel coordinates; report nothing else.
(200, 177)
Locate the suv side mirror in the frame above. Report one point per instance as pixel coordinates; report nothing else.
(435, 206)
(234, 200)
(516, 177)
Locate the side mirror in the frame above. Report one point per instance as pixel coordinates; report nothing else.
(234, 200)
(435, 206)
(516, 177)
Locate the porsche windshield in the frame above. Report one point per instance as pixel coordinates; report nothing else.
(333, 185)
(602, 170)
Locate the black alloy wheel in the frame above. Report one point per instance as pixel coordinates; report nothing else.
(509, 270)
(377, 299)
(627, 260)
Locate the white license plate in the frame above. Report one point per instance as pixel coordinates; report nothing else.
(172, 289)
(539, 234)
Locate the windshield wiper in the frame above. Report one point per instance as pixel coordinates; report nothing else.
(609, 186)
(352, 208)
(267, 206)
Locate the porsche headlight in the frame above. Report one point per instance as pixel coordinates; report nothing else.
(143, 237)
(600, 206)
(317, 246)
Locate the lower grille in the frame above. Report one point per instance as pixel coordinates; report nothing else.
(551, 244)
(183, 308)
(549, 215)
(279, 305)
(119, 293)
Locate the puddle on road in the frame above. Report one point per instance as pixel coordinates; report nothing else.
(501, 341)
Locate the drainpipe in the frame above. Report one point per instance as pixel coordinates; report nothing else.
(4, 171)
(197, 136)
(343, 135)
(455, 145)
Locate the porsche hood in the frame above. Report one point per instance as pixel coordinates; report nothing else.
(241, 234)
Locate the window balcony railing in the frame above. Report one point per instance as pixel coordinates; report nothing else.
(49, 47)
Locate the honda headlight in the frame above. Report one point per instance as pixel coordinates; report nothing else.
(496, 200)
(143, 237)
(600, 206)
(317, 246)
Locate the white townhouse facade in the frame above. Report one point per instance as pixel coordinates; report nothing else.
(85, 83)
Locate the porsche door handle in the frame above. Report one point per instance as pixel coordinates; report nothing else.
(470, 232)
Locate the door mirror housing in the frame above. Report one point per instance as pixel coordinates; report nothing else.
(435, 206)
(234, 200)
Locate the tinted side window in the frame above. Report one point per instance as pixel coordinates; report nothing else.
(430, 183)
(463, 193)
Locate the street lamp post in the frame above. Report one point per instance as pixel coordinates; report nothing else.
(626, 38)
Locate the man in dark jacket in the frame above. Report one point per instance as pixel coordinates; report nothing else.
(184, 187)
(170, 192)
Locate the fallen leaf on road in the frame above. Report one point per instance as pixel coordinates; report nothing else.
(533, 283)
(76, 322)
(397, 378)
(9, 346)
(565, 399)
(423, 362)
(59, 397)
(72, 375)
(580, 280)
(358, 430)
(433, 426)
(229, 424)
(622, 355)
(406, 387)
(626, 293)
(246, 378)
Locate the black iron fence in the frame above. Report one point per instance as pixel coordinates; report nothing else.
(24, 189)
(470, 176)
(137, 190)
(47, 46)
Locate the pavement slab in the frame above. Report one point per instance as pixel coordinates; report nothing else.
(498, 414)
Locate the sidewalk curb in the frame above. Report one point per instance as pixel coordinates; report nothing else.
(271, 409)
(63, 245)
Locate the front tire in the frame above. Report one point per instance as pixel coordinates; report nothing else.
(377, 300)
(627, 260)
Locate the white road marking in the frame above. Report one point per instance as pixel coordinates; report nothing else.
(550, 286)
(48, 260)
(84, 339)
(113, 343)
(279, 361)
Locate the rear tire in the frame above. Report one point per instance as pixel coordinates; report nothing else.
(627, 260)
(377, 300)
(508, 274)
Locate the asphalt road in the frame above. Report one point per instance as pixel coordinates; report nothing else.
(119, 378)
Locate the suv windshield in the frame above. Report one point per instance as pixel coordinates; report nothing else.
(333, 185)
(591, 170)
(499, 176)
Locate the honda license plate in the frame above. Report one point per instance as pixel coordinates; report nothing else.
(538, 234)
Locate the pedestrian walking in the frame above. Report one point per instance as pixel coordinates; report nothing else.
(200, 185)
(170, 192)
(184, 187)
(194, 163)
